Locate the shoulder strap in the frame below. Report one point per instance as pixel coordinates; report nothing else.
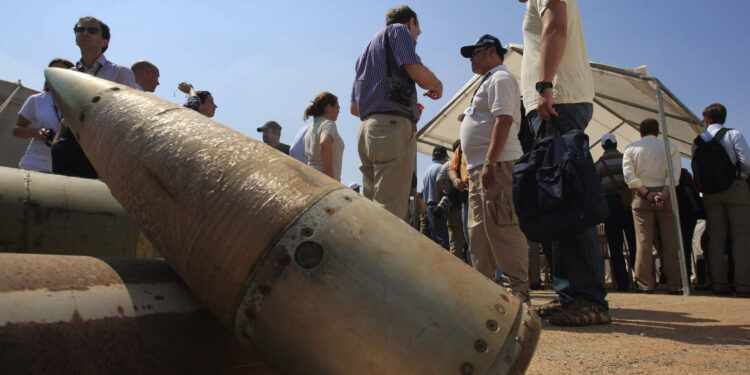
(609, 173)
(720, 134)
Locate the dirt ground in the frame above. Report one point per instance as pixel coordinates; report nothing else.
(651, 334)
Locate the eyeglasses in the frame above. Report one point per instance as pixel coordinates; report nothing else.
(477, 51)
(90, 30)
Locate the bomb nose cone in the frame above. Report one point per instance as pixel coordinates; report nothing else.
(73, 90)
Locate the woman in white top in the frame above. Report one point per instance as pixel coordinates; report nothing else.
(324, 148)
(39, 119)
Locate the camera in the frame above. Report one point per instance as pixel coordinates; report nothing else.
(402, 95)
(50, 137)
(442, 207)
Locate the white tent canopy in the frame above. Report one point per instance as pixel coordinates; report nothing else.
(624, 97)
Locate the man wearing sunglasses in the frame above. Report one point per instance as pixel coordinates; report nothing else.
(489, 140)
(92, 37)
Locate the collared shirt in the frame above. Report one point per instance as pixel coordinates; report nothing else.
(644, 163)
(297, 149)
(41, 112)
(372, 87)
(428, 181)
(735, 145)
(609, 167)
(573, 82)
(497, 95)
(108, 70)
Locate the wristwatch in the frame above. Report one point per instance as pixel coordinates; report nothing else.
(543, 85)
(487, 162)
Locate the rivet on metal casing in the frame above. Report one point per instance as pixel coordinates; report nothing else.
(95, 99)
(467, 368)
(114, 89)
(500, 308)
(492, 325)
(480, 345)
(308, 255)
(307, 232)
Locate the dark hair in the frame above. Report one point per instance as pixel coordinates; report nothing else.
(58, 60)
(202, 95)
(318, 106)
(439, 152)
(715, 114)
(456, 144)
(142, 65)
(608, 145)
(103, 26)
(649, 126)
(400, 14)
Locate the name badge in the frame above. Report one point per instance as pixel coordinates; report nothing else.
(469, 111)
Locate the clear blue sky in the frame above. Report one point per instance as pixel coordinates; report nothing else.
(266, 60)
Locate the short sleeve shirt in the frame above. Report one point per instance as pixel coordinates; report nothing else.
(322, 127)
(497, 95)
(573, 82)
(41, 112)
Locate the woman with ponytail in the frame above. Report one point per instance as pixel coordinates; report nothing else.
(324, 147)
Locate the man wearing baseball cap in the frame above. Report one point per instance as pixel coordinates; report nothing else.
(617, 194)
(489, 140)
(272, 135)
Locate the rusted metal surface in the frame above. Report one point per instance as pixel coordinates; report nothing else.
(45, 213)
(83, 315)
(320, 280)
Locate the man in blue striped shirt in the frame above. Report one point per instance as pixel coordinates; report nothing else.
(384, 96)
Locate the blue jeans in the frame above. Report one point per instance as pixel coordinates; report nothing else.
(577, 264)
(465, 217)
(438, 227)
(613, 226)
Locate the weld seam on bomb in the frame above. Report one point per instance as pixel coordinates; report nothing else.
(276, 259)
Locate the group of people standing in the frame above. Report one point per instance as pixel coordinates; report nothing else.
(556, 84)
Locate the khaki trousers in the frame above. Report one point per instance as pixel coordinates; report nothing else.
(456, 239)
(645, 217)
(387, 148)
(495, 236)
(728, 215)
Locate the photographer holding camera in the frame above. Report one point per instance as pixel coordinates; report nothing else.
(432, 190)
(39, 119)
(384, 97)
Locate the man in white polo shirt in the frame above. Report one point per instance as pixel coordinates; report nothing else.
(489, 140)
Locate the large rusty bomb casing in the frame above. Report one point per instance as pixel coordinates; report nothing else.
(53, 214)
(82, 315)
(319, 279)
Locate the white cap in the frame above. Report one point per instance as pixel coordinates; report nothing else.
(609, 137)
(353, 186)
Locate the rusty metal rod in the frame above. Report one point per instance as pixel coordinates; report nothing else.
(83, 315)
(318, 278)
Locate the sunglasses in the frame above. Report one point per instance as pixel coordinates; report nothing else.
(477, 51)
(90, 30)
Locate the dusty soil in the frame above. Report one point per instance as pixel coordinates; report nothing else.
(651, 334)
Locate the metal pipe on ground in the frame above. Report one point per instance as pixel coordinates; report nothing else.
(82, 315)
(52, 214)
(318, 278)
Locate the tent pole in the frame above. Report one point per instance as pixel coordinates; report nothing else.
(672, 192)
(10, 98)
(415, 217)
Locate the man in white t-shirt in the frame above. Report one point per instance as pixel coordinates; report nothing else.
(489, 140)
(558, 89)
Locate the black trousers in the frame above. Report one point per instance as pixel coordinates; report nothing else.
(68, 158)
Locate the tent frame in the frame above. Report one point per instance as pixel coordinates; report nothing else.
(659, 89)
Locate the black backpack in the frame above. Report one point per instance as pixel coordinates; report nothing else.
(712, 168)
(556, 189)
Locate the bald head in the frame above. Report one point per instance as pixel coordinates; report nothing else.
(146, 75)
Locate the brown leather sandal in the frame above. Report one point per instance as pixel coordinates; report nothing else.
(546, 310)
(580, 313)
